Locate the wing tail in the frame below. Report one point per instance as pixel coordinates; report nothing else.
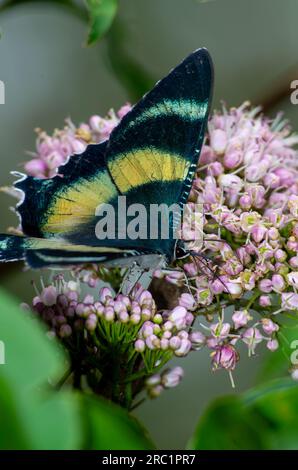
(41, 253)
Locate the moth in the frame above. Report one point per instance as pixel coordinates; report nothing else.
(150, 158)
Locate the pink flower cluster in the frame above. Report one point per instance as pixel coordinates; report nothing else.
(247, 183)
(169, 331)
(106, 318)
(60, 306)
(53, 151)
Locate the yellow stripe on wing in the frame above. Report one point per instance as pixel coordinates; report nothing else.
(142, 166)
(76, 204)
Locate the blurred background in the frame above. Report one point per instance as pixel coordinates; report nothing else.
(49, 75)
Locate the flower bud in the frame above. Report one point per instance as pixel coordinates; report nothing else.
(184, 349)
(272, 344)
(224, 357)
(187, 301)
(140, 345)
(197, 340)
(265, 285)
(104, 294)
(164, 344)
(292, 279)
(245, 202)
(65, 331)
(152, 342)
(278, 282)
(175, 342)
(240, 318)
(258, 232)
(135, 319)
(265, 301)
(49, 295)
(154, 392)
(294, 262)
(171, 378)
(218, 141)
(273, 233)
(124, 110)
(289, 301)
(269, 326)
(91, 322)
(280, 255)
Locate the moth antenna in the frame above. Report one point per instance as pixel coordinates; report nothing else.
(195, 256)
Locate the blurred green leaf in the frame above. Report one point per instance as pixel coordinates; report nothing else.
(226, 426)
(108, 426)
(279, 362)
(101, 14)
(34, 417)
(261, 419)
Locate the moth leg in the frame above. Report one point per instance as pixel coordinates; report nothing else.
(137, 273)
(147, 275)
(130, 279)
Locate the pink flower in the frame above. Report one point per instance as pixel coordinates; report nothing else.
(124, 110)
(278, 282)
(252, 337)
(48, 296)
(178, 317)
(140, 345)
(233, 159)
(294, 262)
(220, 330)
(187, 301)
(224, 357)
(272, 344)
(245, 202)
(265, 301)
(197, 339)
(240, 318)
(265, 285)
(35, 167)
(184, 348)
(256, 193)
(269, 326)
(293, 278)
(172, 377)
(218, 140)
(289, 301)
(230, 181)
(258, 232)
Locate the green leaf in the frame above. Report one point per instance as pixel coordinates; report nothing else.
(279, 362)
(101, 14)
(226, 425)
(108, 426)
(263, 418)
(34, 416)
